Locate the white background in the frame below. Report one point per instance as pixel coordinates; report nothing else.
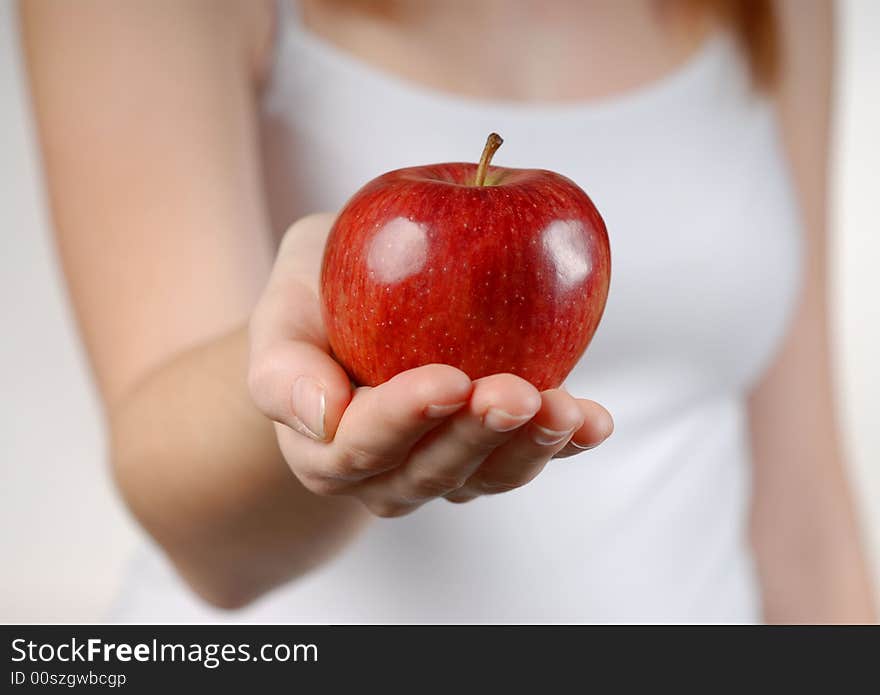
(64, 536)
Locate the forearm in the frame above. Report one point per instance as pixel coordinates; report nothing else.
(200, 469)
(812, 570)
(804, 524)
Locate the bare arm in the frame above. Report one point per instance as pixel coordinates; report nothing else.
(146, 111)
(804, 526)
(146, 116)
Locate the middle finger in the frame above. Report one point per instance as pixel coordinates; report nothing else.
(500, 405)
(518, 461)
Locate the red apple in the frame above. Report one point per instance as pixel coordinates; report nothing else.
(484, 268)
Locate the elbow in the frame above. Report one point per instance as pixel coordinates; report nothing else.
(177, 526)
(194, 559)
(136, 474)
(218, 591)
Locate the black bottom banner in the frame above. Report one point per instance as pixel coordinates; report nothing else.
(176, 658)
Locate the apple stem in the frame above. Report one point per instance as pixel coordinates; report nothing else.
(493, 142)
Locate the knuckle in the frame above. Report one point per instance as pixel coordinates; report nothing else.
(265, 380)
(389, 509)
(479, 443)
(496, 486)
(436, 485)
(459, 500)
(289, 238)
(257, 377)
(495, 482)
(301, 230)
(256, 319)
(353, 460)
(567, 451)
(323, 485)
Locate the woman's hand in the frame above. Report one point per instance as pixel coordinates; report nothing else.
(428, 432)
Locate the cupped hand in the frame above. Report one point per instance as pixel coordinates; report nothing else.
(428, 432)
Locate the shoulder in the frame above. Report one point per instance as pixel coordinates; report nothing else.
(245, 29)
(805, 51)
(804, 22)
(803, 96)
(254, 25)
(259, 26)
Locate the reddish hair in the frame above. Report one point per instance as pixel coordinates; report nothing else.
(753, 23)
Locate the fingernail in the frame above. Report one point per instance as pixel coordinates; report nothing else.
(438, 411)
(502, 421)
(583, 447)
(587, 447)
(547, 437)
(309, 406)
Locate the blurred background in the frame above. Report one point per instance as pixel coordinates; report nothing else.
(64, 535)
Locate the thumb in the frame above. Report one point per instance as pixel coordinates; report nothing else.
(292, 378)
(298, 384)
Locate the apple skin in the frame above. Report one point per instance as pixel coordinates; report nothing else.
(423, 267)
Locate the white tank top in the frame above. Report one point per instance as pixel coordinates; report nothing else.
(705, 239)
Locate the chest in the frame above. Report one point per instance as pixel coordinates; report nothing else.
(706, 257)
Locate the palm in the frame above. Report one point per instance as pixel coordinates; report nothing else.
(428, 432)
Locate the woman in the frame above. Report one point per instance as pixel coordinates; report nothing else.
(181, 138)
